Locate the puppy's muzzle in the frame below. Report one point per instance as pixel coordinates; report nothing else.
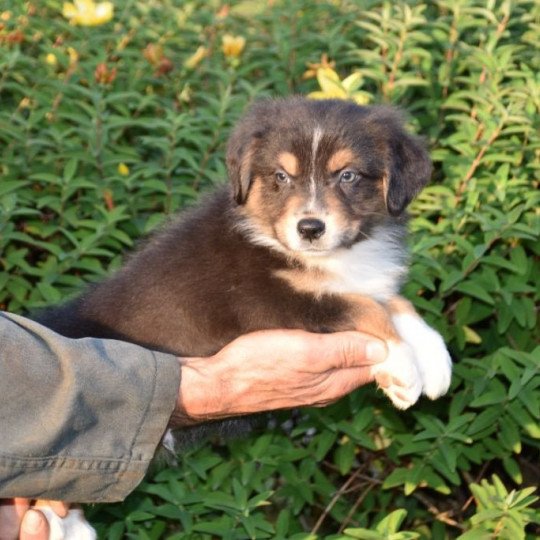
(311, 228)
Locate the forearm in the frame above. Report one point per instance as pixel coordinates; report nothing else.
(79, 419)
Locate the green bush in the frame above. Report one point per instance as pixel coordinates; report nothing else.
(107, 130)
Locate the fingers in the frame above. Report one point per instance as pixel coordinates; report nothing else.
(34, 526)
(11, 514)
(340, 383)
(21, 521)
(276, 369)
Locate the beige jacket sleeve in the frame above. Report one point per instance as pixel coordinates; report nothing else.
(80, 420)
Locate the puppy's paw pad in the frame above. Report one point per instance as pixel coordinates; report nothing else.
(398, 376)
(401, 398)
(432, 357)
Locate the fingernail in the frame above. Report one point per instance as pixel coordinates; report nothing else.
(32, 522)
(376, 351)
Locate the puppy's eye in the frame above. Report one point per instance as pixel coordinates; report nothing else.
(347, 177)
(282, 178)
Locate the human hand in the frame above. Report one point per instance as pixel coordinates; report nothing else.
(276, 369)
(22, 520)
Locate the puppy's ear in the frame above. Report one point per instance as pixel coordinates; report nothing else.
(409, 171)
(239, 159)
(246, 139)
(240, 153)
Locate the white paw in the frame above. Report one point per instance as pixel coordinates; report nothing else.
(432, 358)
(398, 375)
(73, 527)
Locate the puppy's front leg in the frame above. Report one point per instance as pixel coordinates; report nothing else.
(432, 358)
(398, 376)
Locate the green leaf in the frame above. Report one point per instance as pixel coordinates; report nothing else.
(512, 468)
(391, 523)
(344, 457)
(70, 169)
(476, 291)
(49, 293)
(325, 441)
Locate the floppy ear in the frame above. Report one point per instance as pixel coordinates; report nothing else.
(239, 157)
(409, 171)
(244, 142)
(240, 153)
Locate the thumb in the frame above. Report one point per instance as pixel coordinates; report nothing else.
(34, 526)
(353, 350)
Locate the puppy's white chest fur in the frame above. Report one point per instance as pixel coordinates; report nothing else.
(375, 267)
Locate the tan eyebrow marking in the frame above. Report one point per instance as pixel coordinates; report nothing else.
(339, 160)
(289, 163)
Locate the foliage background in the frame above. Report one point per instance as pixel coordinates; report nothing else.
(94, 157)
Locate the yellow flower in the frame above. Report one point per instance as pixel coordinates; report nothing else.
(196, 57)
(123, 169)
(185, 94)
(51, 59)
(332, 87)
(73, 56)
(124, 42)
(25, 103)
(88, 12)
(5, 15)
(313, 67)
(232, 46)
(153, 53)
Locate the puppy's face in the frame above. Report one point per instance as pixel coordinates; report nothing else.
(314, 176)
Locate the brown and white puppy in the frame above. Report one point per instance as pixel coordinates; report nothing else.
(309, 235)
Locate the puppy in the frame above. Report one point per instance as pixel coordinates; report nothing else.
(308, 235)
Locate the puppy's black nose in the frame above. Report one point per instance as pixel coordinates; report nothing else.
(311, 228)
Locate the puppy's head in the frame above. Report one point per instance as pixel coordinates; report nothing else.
(313, 176)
